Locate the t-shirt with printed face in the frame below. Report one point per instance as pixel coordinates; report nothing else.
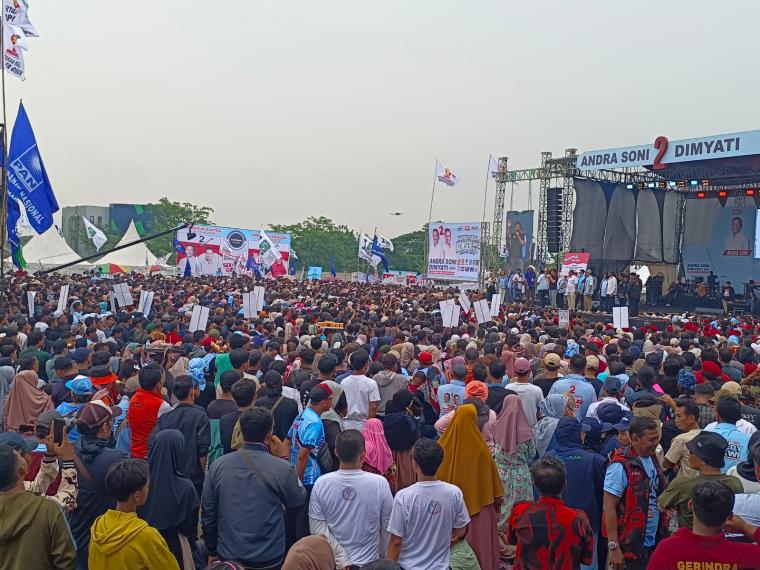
(424, 516)
(354, 504)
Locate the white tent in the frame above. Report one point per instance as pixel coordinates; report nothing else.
(135, 257)
(49, 249)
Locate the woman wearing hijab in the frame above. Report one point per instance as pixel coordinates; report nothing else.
(514, 449)
(172, 505)
(402, 430)
(475, 393)
(552, 409)
(25, 402)
(310, 553)
(378, 456)
(468, 464)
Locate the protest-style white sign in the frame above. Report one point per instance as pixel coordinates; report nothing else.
(146, 302)
(564, 318)
(495, 304)
(123, 296)
(63, 297)
(482, 311)
(30, 301)
(451, 319)
(464, 301)
(199, 318)
(620, 317)
(112, 299)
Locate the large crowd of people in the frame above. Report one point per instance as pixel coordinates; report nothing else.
(343, 426)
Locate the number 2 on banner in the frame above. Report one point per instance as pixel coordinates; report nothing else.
(660, 143)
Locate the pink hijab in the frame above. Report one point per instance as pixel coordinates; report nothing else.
(379, 455)
(511, 427)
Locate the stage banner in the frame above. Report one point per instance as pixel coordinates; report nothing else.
(729, 252)
(219, 250)
(519, 237)
(574, 262)
(454, 251)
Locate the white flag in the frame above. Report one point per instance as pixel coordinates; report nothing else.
(164, 260)
(13, 56)
(493, 166)
(384, 242)
(293, 254)
(268, 251)
(365, 250)
(94, 233)
(16, 12)
(444, 174)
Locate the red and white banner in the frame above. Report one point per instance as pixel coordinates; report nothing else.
(574, 262)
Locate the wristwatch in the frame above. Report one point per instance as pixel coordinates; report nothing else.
(612, 545)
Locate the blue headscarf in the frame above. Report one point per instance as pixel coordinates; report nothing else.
(198, 368)
(686, 380)
(572, 349)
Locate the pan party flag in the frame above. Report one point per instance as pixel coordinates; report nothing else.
(445, 175)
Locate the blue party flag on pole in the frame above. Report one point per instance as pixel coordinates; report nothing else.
(27, 179)
(178, 247)
(377, 251)
(332, 266)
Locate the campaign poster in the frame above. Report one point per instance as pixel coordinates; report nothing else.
(574, 262)
(454, 251)
(223, 251)
(519, 237)
(730, 252)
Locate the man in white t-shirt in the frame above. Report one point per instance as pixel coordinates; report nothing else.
(351, 507)
(362, 394)
(530, 395)
(427, 516)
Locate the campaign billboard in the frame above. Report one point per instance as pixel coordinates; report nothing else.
(730, 251)
(574, 262)
(454, 251)
(219, 250)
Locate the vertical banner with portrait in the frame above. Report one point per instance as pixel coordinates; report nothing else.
(454, 251)
(519, 238)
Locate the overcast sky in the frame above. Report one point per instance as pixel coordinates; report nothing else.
(271, 111)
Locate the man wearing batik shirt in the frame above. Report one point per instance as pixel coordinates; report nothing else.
(548, 534)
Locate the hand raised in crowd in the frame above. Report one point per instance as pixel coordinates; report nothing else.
(63, 451)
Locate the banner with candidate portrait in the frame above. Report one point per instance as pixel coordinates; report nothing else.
(224, 251)
(454, 251)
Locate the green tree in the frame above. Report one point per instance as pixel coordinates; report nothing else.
(316, 239)
(167, 215)
(408, 252)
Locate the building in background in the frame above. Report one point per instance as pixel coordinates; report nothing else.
(113, 219)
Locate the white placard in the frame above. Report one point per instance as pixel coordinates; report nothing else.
(123, 296)
(146, 302)
(112, 299)
(564, 318)
(495, 304)
(464, 301)
(482, 311)
(620, 317)
(257, 300)
(199, 318)
(63, 298)
(451, 320)
(30, 301)
(446, 307)
(250, 304)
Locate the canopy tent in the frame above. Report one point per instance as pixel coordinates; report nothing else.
(135, 257)
(48, 250)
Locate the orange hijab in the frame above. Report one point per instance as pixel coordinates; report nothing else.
(467, 461)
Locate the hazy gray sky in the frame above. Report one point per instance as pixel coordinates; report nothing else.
(274, 111)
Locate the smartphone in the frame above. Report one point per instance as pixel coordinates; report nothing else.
(58, 431)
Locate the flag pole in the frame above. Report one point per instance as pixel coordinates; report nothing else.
(430, 214)
(3, 181)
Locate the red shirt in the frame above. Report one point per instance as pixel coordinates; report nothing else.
(688, 550)
(550, 535)
(142, 415)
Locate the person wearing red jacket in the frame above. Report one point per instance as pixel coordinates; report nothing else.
(145, 407)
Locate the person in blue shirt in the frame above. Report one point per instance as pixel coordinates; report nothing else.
(577, 385)
(81, 389)
(451, 395)
(728, 412)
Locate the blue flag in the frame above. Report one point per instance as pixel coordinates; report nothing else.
(251, 265)
(332, 267)
(293, 268)
(27, 180)
(178, 247)
(378, 251)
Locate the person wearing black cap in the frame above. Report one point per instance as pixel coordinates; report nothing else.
(92, 459)
(706, 455)
(34, 533)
